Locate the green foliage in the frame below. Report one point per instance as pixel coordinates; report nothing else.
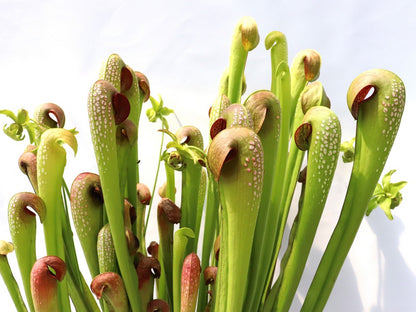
(244, 180)
(387, 195)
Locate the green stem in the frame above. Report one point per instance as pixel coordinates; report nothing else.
(277, 43)
(200, 206)
(135, 97)
(235, 157)
(170, 182)
(305, 68)
(311, 96)
(8, 278)
(321, 134)
(265, 109)
(211, 216)
(22, 224)
(245, 39)
(378, 118)
(50, 175)
(75, 280)
(191, 182)
(180, 243)
(265, 246)
(87, 214)
(81, 297)
(143, 199)
(155, 182)
(113, 108)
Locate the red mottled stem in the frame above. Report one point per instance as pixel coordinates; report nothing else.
(110, 287)
(153, 249)
(168, 214)
(46, 273)
(191, 272)
(158, 305)
(147, 270)
(210, 276)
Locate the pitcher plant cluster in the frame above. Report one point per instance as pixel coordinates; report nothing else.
(222, 211)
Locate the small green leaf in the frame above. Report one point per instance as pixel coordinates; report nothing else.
(9, 113)
(165, 111)
(386, 195)
(158, 111)
(387, 178)
(14, 131)
(385, 204)
(396, 187)
(22, 116)
(151, 115)
(378, 190)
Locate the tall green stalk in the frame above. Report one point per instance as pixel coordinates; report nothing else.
(320, 133)
(191, 181)
(22, 224)
(245, 39)
(265, 110)
(51, 159)
(305, 68)
(106, 108)
(235, 157)
(376, 99)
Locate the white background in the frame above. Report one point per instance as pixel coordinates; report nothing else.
(51, 51)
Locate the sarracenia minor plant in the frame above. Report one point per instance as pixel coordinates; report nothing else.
(221, 220)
